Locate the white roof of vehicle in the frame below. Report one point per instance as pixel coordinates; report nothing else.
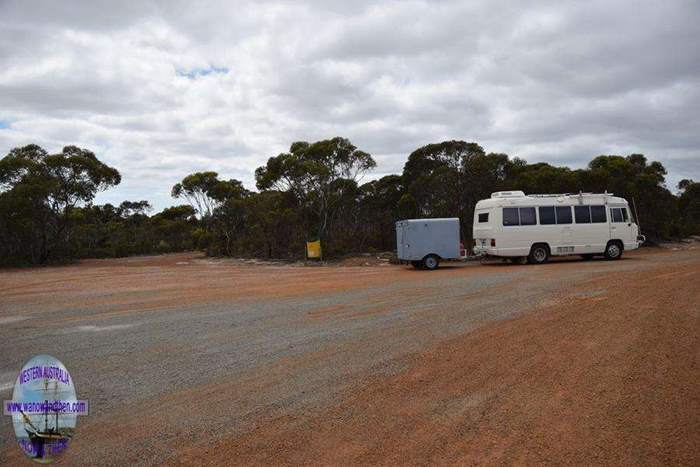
(518, 198)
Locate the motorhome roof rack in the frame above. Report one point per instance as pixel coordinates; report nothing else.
(520, 194)
(583, 193)
(508, 194)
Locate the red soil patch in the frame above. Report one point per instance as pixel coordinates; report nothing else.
(612, 378)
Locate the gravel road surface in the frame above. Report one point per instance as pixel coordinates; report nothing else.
(187, 360)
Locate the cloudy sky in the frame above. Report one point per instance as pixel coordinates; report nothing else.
(163, 89)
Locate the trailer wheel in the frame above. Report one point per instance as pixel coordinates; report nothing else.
(431, 262)
(417, 264)
(539, 254)
(613, 250)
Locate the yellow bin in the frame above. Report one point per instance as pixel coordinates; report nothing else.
(313, 249)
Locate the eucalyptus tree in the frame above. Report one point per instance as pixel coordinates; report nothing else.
(312, 173)
(205, 192)
(38, 190)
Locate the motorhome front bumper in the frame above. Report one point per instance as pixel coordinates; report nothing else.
(641, 239)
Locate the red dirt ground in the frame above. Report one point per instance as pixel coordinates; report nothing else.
(606, 371)
(611, 378)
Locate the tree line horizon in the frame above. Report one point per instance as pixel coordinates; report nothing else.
(311, 192)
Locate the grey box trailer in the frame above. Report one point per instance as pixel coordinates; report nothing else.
(425, 242)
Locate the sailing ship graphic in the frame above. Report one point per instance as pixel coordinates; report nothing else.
(47, 437)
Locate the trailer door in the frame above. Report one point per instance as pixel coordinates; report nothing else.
(400, 240)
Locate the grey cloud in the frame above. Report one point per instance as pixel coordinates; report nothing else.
(553, 81)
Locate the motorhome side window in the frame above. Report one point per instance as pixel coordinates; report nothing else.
(547, 216)
(619, 214)
(598, 214)
(510, 216)
(588, 214)
(519, 216)
(550, 215)
(564, 215)
(484, 217)
(582, 214)
(527, 216)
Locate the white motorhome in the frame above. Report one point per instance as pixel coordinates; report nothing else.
(517, 226)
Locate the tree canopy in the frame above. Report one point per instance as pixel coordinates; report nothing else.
(205, 192)
(316, 174)
(315, 190)
(39, 190)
